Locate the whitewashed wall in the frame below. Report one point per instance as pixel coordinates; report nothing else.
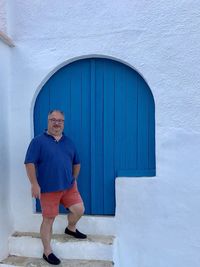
(5, 211)
(158, 220)
(3, 16)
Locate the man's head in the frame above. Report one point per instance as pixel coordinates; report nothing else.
(55, 122)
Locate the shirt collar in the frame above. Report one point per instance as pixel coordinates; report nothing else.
(51, 136)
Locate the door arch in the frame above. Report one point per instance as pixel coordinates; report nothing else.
(110, 116)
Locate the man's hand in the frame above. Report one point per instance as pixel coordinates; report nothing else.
(31, 172)
(75, 170)
(35, 190)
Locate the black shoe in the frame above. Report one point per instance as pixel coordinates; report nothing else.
(52, 259)
(76, 234)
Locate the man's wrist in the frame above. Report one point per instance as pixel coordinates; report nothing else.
(34, 184)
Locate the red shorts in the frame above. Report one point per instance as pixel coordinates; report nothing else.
(50, 201)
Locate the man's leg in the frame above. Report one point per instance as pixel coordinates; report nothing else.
(73, 201)
(46, 234)
(76, 211)
(50, 206)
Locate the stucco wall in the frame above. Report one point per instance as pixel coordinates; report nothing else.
(5, 210)
(157, 218)
(160, 39)
(3, 16)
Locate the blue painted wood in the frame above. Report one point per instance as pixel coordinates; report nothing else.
(94, 161)
(109, 137)
(110, 116)
(84, 181)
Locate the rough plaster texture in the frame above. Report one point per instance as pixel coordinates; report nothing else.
(163, 211)
(3, 15)
(5, 220)
(160, 39)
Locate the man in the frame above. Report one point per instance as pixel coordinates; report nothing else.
(53, 165)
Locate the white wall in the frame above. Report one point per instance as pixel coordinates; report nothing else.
(5, 210)
(160, 39)
(3, 14)
(158, 218)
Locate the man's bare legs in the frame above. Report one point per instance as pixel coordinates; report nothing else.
(46, 234)
(76, 211)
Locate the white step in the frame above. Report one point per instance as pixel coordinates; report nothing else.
(35, 262)
(64, 246)
(93, 225)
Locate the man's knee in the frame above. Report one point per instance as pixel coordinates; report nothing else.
(48, 220)
(81, 210)
(77, 209)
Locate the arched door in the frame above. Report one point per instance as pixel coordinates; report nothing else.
(109, 114)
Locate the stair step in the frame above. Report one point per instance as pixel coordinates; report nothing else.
(64, 246)
(35, 262)
(94, 225)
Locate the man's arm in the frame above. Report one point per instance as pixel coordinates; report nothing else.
(76, 170)
(31, 173)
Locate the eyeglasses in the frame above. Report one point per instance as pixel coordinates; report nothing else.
(56, 121)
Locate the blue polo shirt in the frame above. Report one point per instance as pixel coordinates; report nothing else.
(53, 161)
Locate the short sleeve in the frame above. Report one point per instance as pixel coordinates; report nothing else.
(76, 159)
(33, 152)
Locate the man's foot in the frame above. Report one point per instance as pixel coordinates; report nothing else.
(52, 259)
(76, 234)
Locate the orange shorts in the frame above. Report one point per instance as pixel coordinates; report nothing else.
(50, 201)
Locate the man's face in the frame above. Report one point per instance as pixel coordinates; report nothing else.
(55, 123)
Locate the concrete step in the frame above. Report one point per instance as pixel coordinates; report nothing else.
(65, 247)
(93, 225)
(35, 262)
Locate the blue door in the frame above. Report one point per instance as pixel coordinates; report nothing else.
(110, 116)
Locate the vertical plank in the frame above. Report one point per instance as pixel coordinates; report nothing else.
(131, 117)
(98, 156)
(151, 136)
(84, 180)
(41, 110)
(120, 118)
(143, 126)
(67, 98)
(93, 146)
(76, 90)
(57, 90)
(109, 137)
